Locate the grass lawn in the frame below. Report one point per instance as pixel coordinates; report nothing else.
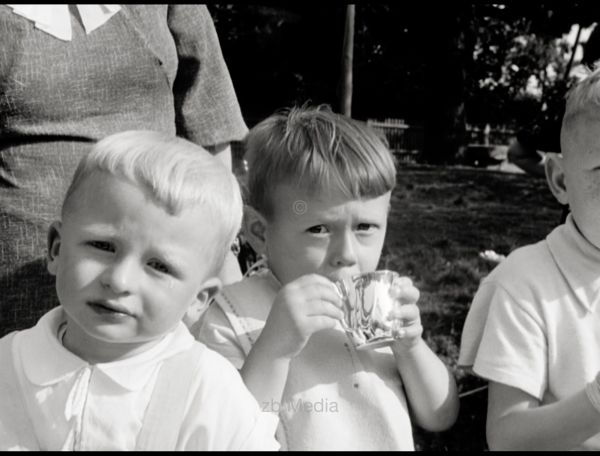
(441, 218)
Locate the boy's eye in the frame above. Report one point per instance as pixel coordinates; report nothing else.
(102, 245)
(159, 266)
(365, 227)
(317, 229)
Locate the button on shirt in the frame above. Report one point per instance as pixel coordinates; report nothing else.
(73, 405)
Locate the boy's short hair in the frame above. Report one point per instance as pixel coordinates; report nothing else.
(315, 148)
(177, 173)
(583, 99)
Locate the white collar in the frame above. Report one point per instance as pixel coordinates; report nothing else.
(56, 19)
(45, 361)
(579, 262)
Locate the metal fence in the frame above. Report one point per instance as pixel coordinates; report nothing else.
(489, 135)
(405, 141)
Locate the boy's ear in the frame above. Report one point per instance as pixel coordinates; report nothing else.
(53, 247)
(254, 228)
(195, 311)
(555, 176)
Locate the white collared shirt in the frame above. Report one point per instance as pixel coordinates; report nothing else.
(56, 19)
(73, 405)
(534, 323)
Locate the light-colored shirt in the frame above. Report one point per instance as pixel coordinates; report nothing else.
(68, 404)
(534, 323)
(336, 397)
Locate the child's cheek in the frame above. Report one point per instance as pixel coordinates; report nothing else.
(589, 195)
(170, 283)
(592, 189)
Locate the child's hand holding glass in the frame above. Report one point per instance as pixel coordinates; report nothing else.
(302, 307)
(405, 317)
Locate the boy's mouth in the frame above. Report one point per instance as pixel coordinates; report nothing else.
(109, 307)
(340, 276)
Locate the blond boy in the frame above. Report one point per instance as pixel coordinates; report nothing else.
(319, 195)
(533, 329)
(145, 227)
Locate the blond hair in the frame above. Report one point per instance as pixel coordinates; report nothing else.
(177, 173)
(315, 148)
(583, 100)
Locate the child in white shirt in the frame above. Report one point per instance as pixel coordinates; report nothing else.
(533, 329)
(319, 194)
(145, 227)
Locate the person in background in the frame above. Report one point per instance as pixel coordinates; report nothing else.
(73, 74)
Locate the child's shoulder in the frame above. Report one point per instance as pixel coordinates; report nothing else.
(261, 279)
(211, 365)
(206, 357)
(5, 340)
(213, 372)
(15, 426)
(531, 262)
(6, 343)
(8, 377)
(253, 295)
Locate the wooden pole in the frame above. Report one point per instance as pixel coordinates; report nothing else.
(347, 59)
(573, 52)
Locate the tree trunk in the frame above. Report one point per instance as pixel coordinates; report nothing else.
(573, 52)
(347, 58)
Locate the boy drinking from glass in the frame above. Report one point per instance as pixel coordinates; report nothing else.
(319, 195)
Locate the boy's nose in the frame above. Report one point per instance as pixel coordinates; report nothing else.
(344, 253)
(119, 277)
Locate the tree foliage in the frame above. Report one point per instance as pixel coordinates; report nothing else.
(441, 66)
(519, 76)
(290, 53)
